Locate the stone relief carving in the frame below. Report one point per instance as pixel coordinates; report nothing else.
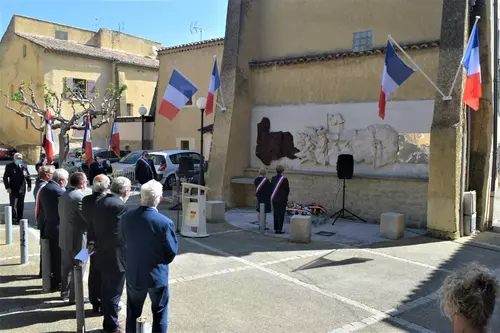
(377, 145)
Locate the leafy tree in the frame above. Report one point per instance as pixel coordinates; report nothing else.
(100, 110)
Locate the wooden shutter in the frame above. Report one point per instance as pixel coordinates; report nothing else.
(90, 89)
(69, 84)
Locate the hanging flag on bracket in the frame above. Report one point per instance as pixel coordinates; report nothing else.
(179, 91)
(473, 90)
(396, 72)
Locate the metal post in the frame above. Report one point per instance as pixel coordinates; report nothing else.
(262, 218)
(80, 309)
(24, 241)
(202, 161)
(141, 325)
(45, 258)
(8, 224)
(142, 133)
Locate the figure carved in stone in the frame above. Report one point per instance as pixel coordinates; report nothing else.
(376, 144)
(272, 146)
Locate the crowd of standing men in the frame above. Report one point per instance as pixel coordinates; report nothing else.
(130, 246)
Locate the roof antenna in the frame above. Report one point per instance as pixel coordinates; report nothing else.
(193, 27)
(96, 25)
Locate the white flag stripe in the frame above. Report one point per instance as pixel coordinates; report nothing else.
(175, 97)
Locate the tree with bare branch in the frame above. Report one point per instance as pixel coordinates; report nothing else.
(82, 104)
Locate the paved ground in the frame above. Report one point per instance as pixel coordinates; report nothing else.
(239, 281)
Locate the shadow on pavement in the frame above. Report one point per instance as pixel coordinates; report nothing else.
(20, 290)
(323, 262)
(26, 319)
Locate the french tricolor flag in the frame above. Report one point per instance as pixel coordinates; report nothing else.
(179, 91)
(87, 141)
(214, 85)
(115, 138)
(473, 90)
(48, 139)
(395, 73)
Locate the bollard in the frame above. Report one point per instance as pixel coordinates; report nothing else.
(80, 306)
(142, 325)
(8, 224)
(262, 220)
(24, 241)
(45, 258)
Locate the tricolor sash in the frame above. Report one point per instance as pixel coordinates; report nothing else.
(262, 182)
(37, 201)
(146, 162)
(277, 187)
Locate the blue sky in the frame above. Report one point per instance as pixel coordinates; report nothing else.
(164, 21)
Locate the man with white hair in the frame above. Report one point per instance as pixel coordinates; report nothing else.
(106, 221)
(15, 178)
(100, 187)
(151, 246)
(48, 220)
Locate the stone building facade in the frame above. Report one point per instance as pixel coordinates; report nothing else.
(41, 52)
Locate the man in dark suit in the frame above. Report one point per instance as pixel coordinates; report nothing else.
(48, 220)
(97, 167)
(279, 198)
(15, 178)
(45, 173)
(145, 169)
(72, 233)
(109, 245)
(99, 189)
(151, 246)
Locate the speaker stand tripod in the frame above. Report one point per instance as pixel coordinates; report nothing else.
(342, 212)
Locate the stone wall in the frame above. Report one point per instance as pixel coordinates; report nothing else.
(365, 197)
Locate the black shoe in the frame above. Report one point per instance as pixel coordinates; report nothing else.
(280, 232)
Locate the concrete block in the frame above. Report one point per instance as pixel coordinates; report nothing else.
(392, 225)
(469, 202)
(469, 224)
(215, 210)
(300, 229)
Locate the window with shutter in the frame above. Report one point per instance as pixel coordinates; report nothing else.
(90, 88)
(80, 87)
(69, 84)
(130, 109)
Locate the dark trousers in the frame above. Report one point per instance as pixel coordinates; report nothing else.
(67, 276)
(94, 282)
(17, 204)
(112, 288)
(55, 262)
(279, 210)
(159, 307)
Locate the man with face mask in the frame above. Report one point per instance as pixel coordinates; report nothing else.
(15, 178)
(72, 232)
(48, 220)
(106, 221)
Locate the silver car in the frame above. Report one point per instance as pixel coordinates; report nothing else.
(166, 163)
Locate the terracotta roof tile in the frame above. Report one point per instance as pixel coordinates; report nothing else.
(335, 55)
(196, 45)
(67, 46)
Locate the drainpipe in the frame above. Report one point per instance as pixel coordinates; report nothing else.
(494, 168)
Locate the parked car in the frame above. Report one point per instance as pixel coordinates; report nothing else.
(110, 155)
(6, 153)
(166, 163)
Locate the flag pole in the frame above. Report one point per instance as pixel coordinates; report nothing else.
(417, 67)
(462, 61)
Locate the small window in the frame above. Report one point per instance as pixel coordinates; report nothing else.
(80, 87)
(63, 35)
(362, 41)
(24, 51)
(184, 145)
(175, 158)
(157, 159)
(130, 109)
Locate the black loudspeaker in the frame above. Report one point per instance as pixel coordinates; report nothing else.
(345, 166)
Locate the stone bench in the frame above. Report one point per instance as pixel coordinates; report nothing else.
(300, 229)
(392, 225)
(215, 210)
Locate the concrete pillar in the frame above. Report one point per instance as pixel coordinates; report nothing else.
(231, 139)
(482, 121)
(443, 213)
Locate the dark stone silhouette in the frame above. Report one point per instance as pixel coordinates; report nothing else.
(272, 146)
